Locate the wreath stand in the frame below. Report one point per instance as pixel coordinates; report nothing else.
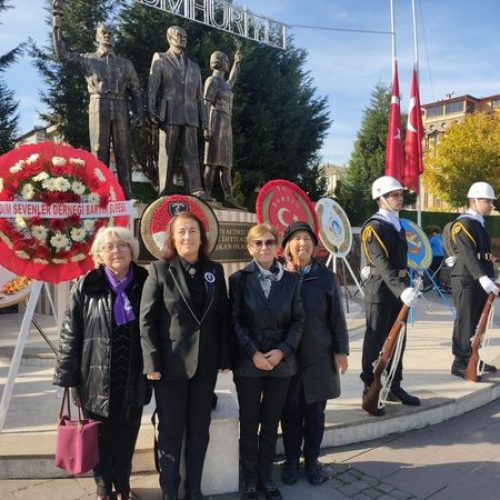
(332, 260)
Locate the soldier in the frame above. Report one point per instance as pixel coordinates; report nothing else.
(387, 285)
(472, 273)
(175, 104)
(111, 80)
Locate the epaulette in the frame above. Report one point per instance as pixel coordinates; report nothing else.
(367, 236)
(456, 228)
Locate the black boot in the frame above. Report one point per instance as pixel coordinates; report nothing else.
(398, 394)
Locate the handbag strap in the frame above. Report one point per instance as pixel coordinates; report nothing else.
(68, 406)
(65, 399)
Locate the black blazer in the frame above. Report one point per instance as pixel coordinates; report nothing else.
(263, 324)
(175, 341)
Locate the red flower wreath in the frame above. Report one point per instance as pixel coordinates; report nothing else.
(53, 199)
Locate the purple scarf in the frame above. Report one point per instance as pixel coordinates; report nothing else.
(122, 309)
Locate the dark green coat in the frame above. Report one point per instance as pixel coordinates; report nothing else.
(325, 334)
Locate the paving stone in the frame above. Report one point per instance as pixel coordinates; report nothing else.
(386, 488)
(351, 489)
(372, 493)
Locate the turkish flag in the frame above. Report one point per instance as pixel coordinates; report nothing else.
(414, 165)
(394, 154)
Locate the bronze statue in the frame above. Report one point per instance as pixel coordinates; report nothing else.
(218, 98)
(175, 103)
(111, 80)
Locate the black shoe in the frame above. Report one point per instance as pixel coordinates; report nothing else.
(290, 472)
(400, 395)
(249, 492)
(271, 491)
(458, 372)
(315, 474)
(485, 367)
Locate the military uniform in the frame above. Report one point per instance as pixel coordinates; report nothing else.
(471, 245)
(386, 249)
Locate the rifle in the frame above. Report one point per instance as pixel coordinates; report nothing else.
(470, 372)
(372, 395)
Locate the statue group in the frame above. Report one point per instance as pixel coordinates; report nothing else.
(176, 101)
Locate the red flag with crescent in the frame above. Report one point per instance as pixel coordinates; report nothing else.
(414, 165)
(394, 154)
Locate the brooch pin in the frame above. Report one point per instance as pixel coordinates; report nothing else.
(209, 278)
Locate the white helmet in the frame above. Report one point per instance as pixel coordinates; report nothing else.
(481, 190)
(384, 185)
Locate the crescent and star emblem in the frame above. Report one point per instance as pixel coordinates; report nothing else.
(281, 218)
(413, 103)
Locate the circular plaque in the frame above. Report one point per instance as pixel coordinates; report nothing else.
(419, 248)
(281, 202)
(334, 227)
(158, 213)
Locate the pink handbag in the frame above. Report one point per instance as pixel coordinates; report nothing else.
(77, 449)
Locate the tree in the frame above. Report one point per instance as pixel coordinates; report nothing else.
(367, 160)
(9, 117)
(467, 152)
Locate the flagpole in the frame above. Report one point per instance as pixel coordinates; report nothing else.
(393, 36)
(415, 62)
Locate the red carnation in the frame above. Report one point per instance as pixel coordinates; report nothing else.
(57, 224)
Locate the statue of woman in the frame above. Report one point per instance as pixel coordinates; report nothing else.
(218, 98)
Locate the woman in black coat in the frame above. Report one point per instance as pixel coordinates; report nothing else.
(322, 353)
(100, 354)
(267, 319)
(185, 343)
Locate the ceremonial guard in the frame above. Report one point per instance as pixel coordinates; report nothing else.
(386, 281)
(472, 273)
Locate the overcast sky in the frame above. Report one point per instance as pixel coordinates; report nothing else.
(459, 52)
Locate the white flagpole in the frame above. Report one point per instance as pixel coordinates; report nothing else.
(415, 62)
(393, 39)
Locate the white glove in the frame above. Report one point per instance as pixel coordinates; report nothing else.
(409, 296)
(365, 273)
(488, 285)
(450, 261)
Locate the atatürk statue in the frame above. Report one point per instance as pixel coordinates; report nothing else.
(111, 80)
(176, 104)
(218, 97)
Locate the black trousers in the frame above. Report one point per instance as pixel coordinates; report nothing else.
(302, 423)
(379, 320)
(117, 437)
(469, 299)
(261, 401)
(183, 407)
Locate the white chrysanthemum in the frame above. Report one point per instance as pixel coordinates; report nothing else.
(1, 184)
(94, 198)
(98, 173)
(78, 187)
(19, 221)
(58, 161)
(59, 240)
(41, 176)
(112, 194)
(39, 232)
(77, 234)
(77, 161)
(33, 158)
(49, 184)
(88, 224)
(17, 167)
(62, 184)
(28, 192)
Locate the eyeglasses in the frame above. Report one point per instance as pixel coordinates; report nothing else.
(115, 246)
(263, 243)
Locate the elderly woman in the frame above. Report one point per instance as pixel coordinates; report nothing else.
(322, 353)
(100, 354)
(184, 340)
(267, 319)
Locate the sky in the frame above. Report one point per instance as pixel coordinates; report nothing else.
(457, 43)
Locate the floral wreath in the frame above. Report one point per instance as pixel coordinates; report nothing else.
(280, 196)
(53, 199)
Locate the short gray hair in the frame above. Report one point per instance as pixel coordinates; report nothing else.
(121, 233)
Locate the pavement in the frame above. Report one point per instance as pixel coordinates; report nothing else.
(456, 454)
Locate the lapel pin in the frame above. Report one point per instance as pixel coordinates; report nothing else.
(209, 277)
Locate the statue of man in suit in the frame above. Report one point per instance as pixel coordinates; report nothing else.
(175, 103)
(111, 81)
